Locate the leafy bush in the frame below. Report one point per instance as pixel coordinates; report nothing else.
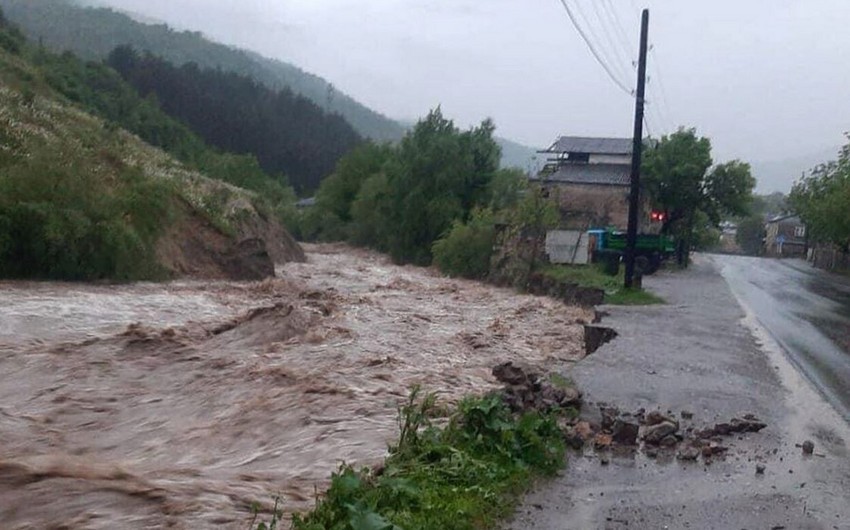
(467, 248)
(58, 222)
(464, 475)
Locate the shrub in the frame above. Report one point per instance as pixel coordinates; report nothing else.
(464, 475)
(58, 222)
(467, 248)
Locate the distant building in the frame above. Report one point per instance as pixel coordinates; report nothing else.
(590, 177)
(786, 237)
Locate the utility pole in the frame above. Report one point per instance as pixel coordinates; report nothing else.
(637, 147)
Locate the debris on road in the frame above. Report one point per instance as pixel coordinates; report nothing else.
(526, 390)
(656, 432)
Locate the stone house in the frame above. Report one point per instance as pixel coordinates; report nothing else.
(786, 237)
(590, 179)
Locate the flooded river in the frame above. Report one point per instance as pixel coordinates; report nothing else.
(182, 404)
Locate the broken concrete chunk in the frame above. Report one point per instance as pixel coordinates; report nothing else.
(602, 441)
(655, 417)
(668, 441)
(688, 453)
(625, 433)
(655, 433)
(808, 447)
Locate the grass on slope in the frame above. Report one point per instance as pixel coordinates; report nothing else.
(593, 276)
(79, 198)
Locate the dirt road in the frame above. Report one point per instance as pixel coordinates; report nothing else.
(179, 405)
(702, 354)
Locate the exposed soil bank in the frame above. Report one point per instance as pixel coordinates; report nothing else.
(699, 363)
(193, 247)
(179, 405)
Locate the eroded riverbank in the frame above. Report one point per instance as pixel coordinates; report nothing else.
(180, 405)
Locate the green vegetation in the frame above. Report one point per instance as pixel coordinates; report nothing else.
(401, 199)
(467, 248)
(288, 134)
(821, 200)
(58, 221)
(460, 472)
(751, 232)
(595, 277)
(681, 181)
(92, 33)
(81, 199)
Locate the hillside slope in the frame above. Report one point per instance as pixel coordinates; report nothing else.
(82, 199)
(93, 33)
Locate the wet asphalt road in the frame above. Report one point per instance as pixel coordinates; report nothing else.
(702, 352)
(805, 310)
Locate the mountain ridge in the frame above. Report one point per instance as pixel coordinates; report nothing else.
(59, 24)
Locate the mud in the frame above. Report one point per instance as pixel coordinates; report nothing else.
(180, 405)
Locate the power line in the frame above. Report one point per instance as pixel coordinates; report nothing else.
(610, 37)
(593, 50)
(613, 13)
(663, 92)
(591, 30)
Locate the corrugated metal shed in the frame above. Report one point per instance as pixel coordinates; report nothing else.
(605, 174)
(584, 144)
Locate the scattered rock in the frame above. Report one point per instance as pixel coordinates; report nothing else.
(713, 449)
(573, 438)
(653, 434)
(668, 441)
(602, 441)
(604, 460)
(509, 374)
(808, 447)
(688, 453)
(687, 415)
(760, 469)
(609, 416)
(625, 433)
(525, 390)
(655, 417)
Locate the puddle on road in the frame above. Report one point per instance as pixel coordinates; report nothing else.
(182, 404)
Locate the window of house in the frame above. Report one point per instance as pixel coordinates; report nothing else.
(799, 231)
(580, 157)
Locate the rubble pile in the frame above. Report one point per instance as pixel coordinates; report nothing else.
(526, 390)
(655, 431)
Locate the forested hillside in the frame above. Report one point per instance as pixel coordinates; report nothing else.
(92, 33)
(287, 133)
(80, 198)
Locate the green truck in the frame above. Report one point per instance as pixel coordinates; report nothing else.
(609, 246)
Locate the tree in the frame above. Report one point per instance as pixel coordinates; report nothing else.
(679, 178)
(821, 200)
(338, 191)
(467, 248)
(439, 174)
(750, 235)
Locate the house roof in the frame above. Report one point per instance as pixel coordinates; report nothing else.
(601, 174)
(786, 217)
(584, 144)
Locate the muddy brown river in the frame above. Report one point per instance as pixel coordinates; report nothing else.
(180, 405)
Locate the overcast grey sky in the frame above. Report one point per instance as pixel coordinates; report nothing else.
(764, 79)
